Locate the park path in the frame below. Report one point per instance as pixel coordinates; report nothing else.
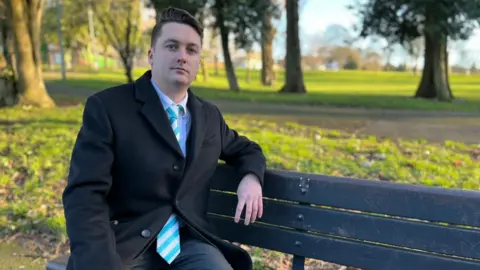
(435, 126)
(409, 124)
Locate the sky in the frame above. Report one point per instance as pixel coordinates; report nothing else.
(316, 15)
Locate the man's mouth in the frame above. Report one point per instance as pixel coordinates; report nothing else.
(180, 69)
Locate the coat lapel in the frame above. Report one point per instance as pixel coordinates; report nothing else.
(152, 110)
(197, 130)
(195, 138)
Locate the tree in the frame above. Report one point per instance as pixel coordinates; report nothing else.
(241, 19)
(415, 50)
(294, 76)
(402, 21)
(251, 21)
(337, 35)
(473, 69)
(221, 11)
(8, 93)
(120, 20)
(214, 50)
(25, 25)
(74, 25)
(267, 35)
(371, 60)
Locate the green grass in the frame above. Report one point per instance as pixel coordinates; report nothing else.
(346, 88)
(35, 153)
(14, 257)
(35, 147)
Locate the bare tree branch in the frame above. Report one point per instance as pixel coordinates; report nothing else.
(120, 21)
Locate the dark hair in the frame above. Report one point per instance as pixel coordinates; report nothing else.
(177, 15)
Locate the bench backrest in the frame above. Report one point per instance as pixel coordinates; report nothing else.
(352, 222)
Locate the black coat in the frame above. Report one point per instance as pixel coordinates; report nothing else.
(128, 174)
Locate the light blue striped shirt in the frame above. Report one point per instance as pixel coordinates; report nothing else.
(183, 120)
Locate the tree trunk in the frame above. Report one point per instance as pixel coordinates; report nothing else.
(35, 23)
(447, 69)
(5, 31)
(434, 83)
(105, 57)
(50, 61)
(268, 33)
(232, 78)
(8, 91)
(8, 42)
(127, 61)
(294, 75)
(128, 73)
(30, 83)
(204, 69)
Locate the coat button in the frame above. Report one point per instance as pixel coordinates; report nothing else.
(146, 233)
(176, 167)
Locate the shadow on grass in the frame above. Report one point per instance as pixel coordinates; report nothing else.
(80, 86)
(41, 122)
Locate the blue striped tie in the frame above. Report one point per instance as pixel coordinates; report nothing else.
(173, 118)
(168, 240)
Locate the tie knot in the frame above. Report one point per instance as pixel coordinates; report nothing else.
(175, 109)
(181, 110)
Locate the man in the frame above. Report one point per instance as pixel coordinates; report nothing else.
(137, 189)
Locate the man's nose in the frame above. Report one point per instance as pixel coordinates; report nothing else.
(181, 56)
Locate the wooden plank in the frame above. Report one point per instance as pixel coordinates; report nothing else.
(434, 204)
(349, 253)
(392, 231)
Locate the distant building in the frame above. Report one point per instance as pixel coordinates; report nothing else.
(332, 65)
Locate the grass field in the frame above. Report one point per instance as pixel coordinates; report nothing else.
(346, 88)
(19, 258)
(35, 147)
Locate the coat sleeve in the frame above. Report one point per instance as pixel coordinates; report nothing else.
(240, 152)
(92, 241)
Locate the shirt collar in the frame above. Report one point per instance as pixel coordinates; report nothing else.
(166, 101)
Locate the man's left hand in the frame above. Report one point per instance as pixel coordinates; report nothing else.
(249, 194)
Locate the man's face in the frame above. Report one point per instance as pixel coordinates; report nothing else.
(175, 57)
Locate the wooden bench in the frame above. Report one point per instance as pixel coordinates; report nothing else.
(352, 222)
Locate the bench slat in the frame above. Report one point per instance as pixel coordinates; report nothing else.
(434, 204)
(344, 252)
(391, 231)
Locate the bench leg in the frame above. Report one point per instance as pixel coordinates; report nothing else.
(298, 263)
(59, 263)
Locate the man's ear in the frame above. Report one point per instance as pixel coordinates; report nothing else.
(150, 56)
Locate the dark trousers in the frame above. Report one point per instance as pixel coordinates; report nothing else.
(196, 254)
